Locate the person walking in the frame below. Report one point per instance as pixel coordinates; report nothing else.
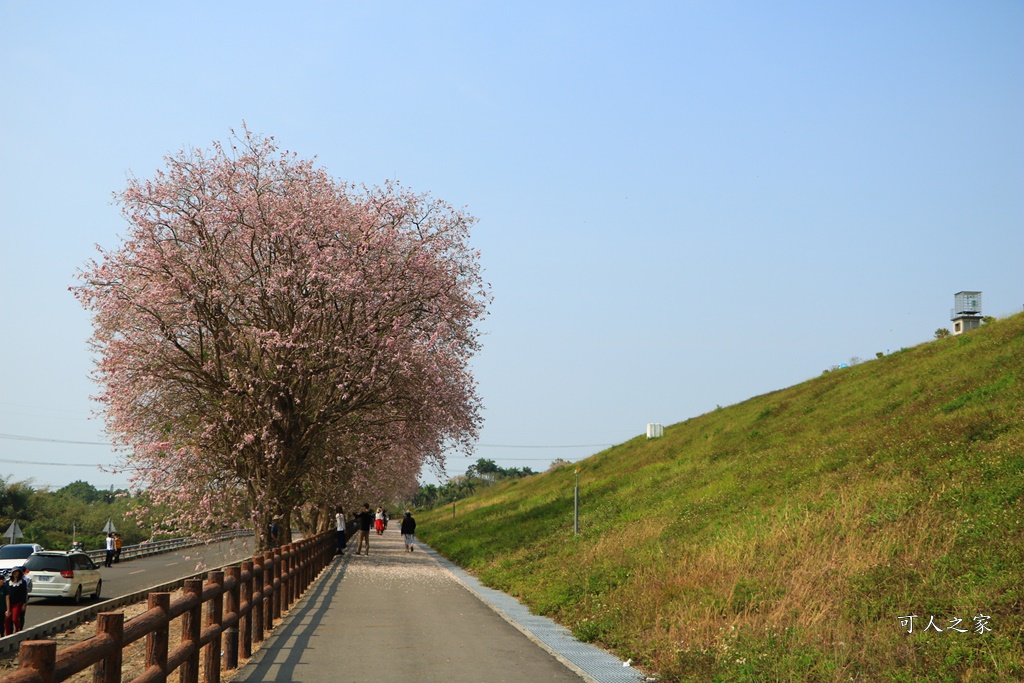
(409, 531)
(110, 550)
(16, 599)
(378, 521)
(339, 524)
(274, 533)
(365, 522)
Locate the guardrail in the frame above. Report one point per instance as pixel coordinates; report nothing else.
(242, 602)
(156, 547)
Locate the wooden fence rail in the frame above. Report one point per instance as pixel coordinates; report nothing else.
(241, 604)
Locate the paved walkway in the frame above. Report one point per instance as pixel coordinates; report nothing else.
(395, 616)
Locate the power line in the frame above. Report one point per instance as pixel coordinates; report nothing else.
(55, 464)
(18, 437)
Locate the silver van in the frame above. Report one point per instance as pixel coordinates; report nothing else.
(57, 574)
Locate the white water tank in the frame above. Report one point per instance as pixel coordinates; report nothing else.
(655, 430)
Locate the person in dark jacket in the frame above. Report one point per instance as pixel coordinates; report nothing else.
(16, 599)
(365, 524)
(409, 531)
(274, 533)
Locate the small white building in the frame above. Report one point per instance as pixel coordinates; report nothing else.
(966, 313)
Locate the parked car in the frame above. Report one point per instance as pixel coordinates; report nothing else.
(14, 555)
(60, 574)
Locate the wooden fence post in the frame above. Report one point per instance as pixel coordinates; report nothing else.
(268, 591)
(39, 656)
(281, 585)
(214, 617)
(231, 614)
(157, 641)
(294, 576)
(278, 561)
(191, 622)
(287, 577)
(108, 669)
(304, 557)
(258, 607)
(245, 606)
(311, 562)
(304, 578)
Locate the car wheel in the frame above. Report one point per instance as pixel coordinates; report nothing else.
(77, 599)
(99, 586)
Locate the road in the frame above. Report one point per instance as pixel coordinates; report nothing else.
(134, 575)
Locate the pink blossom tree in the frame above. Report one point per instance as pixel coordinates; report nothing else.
(266, 335)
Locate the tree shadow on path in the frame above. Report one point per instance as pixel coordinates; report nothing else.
(282, 652)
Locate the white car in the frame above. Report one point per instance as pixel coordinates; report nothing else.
(57, 574)
(14, 555)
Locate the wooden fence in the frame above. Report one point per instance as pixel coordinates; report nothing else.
(241, 604)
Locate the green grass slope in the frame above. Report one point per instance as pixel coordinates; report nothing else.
(783, 538)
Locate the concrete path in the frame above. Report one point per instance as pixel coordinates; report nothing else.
(396, 616)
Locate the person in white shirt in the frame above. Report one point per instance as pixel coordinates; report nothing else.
(339, 523)
(110, 550)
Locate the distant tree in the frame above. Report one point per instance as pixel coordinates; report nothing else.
(517, 472)
(941, 333)
(482, 473)
(54, 518)
(460, 487)
(425, 496)
(266, 333)
(81, 490)
(15, 500)
(484, 469)
(485, 466)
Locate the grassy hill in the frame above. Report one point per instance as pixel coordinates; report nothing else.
(783, 538)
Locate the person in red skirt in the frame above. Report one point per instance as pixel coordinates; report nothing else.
(17, 598)
(378, 521)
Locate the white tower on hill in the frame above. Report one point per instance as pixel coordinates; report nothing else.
(966, 313)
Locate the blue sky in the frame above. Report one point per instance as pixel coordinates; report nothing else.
(681, 204)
